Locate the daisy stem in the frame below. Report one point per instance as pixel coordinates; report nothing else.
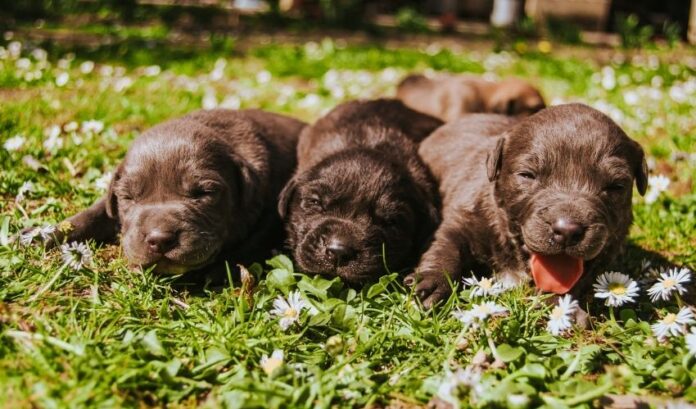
(680, 302)
(49, 283)
(490, 343)
(611, 315)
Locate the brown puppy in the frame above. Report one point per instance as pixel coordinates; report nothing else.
(548, 195)
(197, 189)
(361, 191)
(448, 97)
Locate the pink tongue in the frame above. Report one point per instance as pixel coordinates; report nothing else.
(556, 274)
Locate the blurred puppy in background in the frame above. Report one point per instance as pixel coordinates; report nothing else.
(448, 97)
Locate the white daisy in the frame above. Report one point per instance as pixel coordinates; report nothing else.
(53, 140)
(690, 340)
(152, 71)
(560, 317)
(669, 281)
(27, 237)
(23, 190)
(484, 286)
(102, 182)
(70, 126)
(14, 143)
(76, 255)
(272, 363)
(47, 232)
(87, 67)
(487, 309)
(92, 126)
(62, 79)
(452, 383)
(616, 288)
(464, 316)
(656, 185)
(673, 324)
(289, 310)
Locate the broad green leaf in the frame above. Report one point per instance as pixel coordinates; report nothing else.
(508, 353)
(281, 261)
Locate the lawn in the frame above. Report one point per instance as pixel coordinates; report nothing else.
(106, 335)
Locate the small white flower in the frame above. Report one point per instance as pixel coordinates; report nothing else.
(673, 324)
(616, 288)
(92, 126)
(70, 126)
(102, 182)
(669, 281)
(450, 388)
(289, 310)
(152, 71)
(53, 140)
(27, 237)
(87, 67)
(209, 100)
(560, 317)
(23, 190)
(478, 313)
(465, 317)
(484, 286)
(47, 232)
(76, 255)
(14, 143)
(690, 340)
(310, 101)
(263, 77)
(276, 360)
(122, 84)
(62, 79)
(487, 309)
(657, 184)
(231, 102)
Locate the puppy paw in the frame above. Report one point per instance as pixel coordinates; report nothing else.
(429, 286)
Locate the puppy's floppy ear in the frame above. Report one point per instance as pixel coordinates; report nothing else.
(494, 160)
(111, 201)
(248, 182)
(640, 169)
(286, 196)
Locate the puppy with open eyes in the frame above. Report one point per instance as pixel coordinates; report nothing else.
(197, 190)
(448, 97)
(547, 196)
(360, 191)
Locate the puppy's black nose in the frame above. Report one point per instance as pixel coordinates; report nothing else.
(160, 241)
(567, 232)
(339, 248)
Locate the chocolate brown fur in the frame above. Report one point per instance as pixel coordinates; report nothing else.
(196, 190)
(448, 97)
(360, 187)
(505, 181)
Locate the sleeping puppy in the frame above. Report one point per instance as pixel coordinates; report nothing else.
(361, 191)
(448, 97)
(547, 196)
(195, 190)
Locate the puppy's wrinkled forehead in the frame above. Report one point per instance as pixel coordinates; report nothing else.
(173, 158)
(377, 180)
(566, 137)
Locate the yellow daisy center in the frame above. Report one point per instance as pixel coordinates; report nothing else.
(669, 283)
(617, 289)
(486, 284)
(670, 318)
(271, 364)
(557, 313)
(290, 313)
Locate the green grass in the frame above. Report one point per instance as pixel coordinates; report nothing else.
(108, 335)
